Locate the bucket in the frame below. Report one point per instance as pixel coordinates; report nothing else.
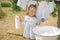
(46, 32)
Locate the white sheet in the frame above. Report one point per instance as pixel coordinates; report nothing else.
(51, 6)
(22, 4)
(42, 11)
(31, 2)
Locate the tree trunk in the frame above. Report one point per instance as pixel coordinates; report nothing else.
(58, 21)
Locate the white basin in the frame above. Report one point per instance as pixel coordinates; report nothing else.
(46, 32)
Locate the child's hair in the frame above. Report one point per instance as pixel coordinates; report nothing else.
(29, 8)
(32, 5)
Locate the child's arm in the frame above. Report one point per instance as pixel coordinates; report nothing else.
(44, 23)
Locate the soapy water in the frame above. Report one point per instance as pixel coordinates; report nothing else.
(47, 31)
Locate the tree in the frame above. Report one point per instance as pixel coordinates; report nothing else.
(14, 6)
(58, 21)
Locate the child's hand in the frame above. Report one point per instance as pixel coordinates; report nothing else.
(44, 23)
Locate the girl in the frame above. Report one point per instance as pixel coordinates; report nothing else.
(30, 23)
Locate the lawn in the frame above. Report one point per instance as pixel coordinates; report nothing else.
(7, 26)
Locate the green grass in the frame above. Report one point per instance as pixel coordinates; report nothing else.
(58, 37)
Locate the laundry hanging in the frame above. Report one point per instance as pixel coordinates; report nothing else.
(31, 2)
(42, 11)
(17, 22)
(51, 6)
(18, 2)
(22, 4)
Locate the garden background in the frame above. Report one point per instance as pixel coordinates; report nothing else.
(8, 10)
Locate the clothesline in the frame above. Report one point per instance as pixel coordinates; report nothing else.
(43, 9)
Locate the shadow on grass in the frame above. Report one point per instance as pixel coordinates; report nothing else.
(15, 34)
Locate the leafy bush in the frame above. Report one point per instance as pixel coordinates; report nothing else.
(5, 4)
(16, 8)
(14, 1)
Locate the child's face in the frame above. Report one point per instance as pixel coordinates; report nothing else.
(32, 11)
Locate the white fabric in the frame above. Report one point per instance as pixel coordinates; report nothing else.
(17, 22)
(30, 23)
(18, 2)
(22, 4)
(51, 6)
(42, 11)
(31, 2)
